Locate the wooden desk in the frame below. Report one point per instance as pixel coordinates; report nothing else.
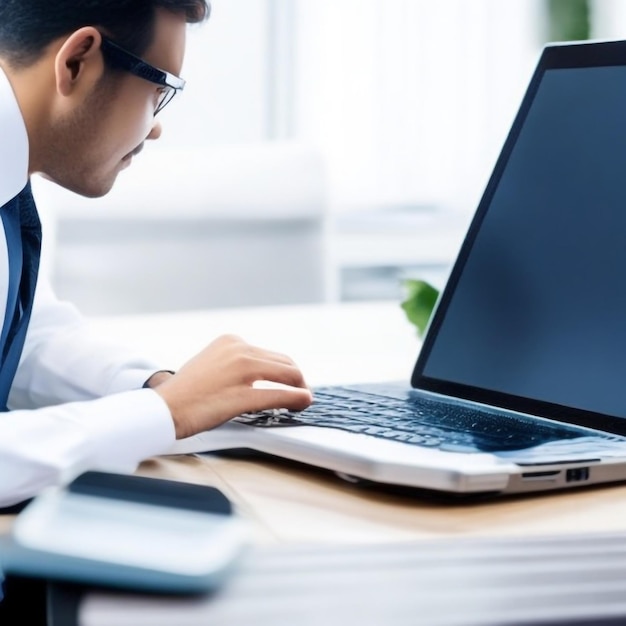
(291, 503)
(287, 502)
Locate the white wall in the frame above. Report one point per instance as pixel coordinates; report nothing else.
(609, 19)
(226, 69)
(410, 99)
(402, 96)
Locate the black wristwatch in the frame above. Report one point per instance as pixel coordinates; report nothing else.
(147, 386)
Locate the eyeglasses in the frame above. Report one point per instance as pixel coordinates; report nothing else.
(124, 60)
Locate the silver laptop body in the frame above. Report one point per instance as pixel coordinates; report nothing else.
(526, 351)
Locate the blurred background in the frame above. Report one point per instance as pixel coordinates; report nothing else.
(322, 151)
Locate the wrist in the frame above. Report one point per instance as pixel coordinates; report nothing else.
(172, 400)
(157, 379)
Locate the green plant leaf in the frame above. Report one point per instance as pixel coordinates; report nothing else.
(419, 303)
(569, 20)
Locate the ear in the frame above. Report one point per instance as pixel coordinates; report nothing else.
(78, 60)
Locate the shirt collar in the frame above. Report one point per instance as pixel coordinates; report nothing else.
(14, 144)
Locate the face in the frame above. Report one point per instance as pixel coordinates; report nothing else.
(98, 136)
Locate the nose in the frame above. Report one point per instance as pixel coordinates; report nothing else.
(155, 132)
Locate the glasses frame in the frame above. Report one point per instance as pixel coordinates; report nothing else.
(120, 58)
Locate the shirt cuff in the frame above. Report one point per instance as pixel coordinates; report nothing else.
(128, 428)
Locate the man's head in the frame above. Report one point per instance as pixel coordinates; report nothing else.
(88, 106)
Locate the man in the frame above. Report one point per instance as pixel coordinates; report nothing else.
(76, 107)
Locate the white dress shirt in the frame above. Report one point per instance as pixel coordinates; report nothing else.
(76, 401)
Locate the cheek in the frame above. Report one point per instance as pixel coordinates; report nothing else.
(133, 122)
(138, 126)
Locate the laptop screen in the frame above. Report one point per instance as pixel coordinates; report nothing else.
(534, 314)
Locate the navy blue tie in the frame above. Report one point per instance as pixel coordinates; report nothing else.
(23, 235)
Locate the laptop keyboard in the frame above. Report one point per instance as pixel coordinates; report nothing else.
(417, 420)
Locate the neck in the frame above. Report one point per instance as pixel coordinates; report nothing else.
(34, 91)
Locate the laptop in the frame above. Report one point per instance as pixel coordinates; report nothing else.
(520, 385)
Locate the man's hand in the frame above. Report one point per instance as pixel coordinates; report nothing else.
(217, 385)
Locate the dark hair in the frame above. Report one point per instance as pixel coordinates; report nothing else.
(27, 27)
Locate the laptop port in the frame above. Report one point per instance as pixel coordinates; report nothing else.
(577, 474)
(545, 475)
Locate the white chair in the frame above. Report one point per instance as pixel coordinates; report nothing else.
(197, 228)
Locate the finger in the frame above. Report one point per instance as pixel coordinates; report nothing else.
(262, 399)
(254, 369)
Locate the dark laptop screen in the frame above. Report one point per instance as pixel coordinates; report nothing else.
(535, 310)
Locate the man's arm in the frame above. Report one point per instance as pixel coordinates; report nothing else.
(63, 361)
(87, 408)
(47, 446)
